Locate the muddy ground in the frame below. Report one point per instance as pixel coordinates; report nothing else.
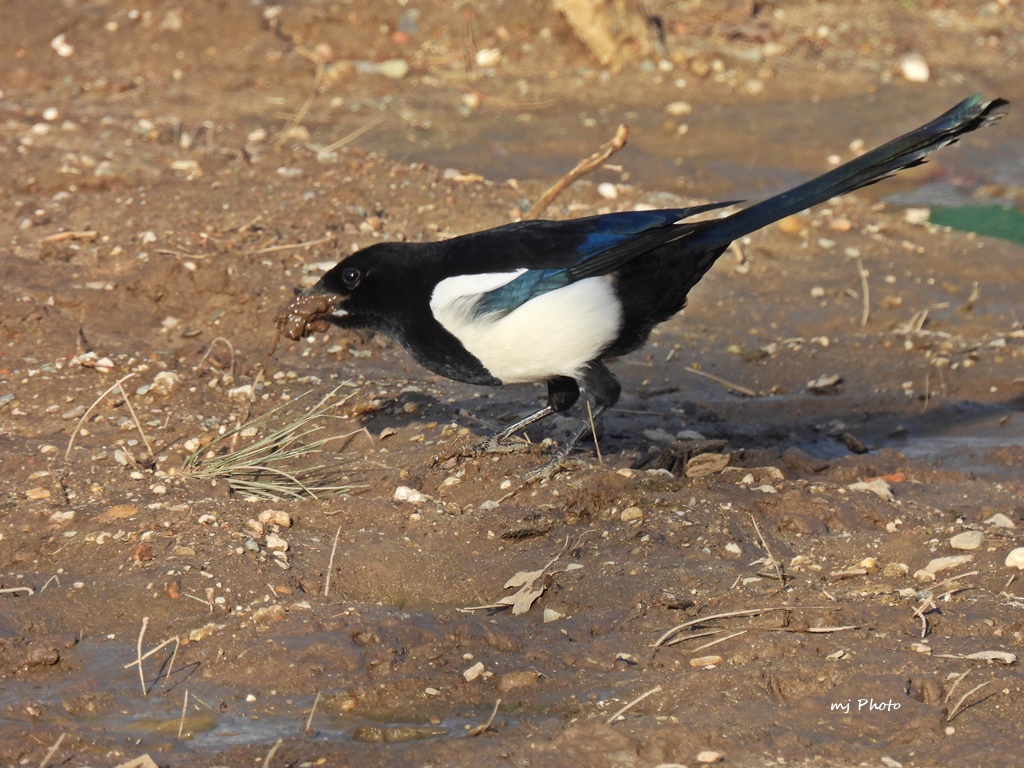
(174, 170)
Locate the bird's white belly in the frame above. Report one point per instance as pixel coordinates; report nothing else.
(554, 334)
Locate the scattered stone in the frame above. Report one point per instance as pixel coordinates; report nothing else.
(164, 383)
(1016, 559)
(550, 614)
(825, 383)
(709, 756)
(1001, 521)
(914, 68)
(678, 108)
(921, 648)
(410, 495)
(473, 672)
(275, 543)
(878, 486)
(967, 540)
(242, 394)
(705, 661)
(269, 613)
(706, 464)
(488, 57)
(523, 679)
(37, 494)
(276, 517)
(607, 190)
(631, 515)
(917, 215)
(945, 563)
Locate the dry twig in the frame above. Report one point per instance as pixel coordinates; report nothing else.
(330, 563)
(632, 704)
(484, 726)
(53, 751)
(585, 166)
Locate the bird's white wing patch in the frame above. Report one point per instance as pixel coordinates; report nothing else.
(554, 334)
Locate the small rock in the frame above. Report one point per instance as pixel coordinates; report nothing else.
(824, 384)
(550, 614)
(705, 464)
(276, 517)
(678, 108)
(410, 495)
(631, 515)
(709, 756)
(607, 190)
(512, 680)
(878, 486)
(967, 540)
(275, 543)
(488, 57)
(472, 673)
(164, 383)
(1016, 559)
(1001, 521)
(274, 612)
(705, 661)
(945, 563)
(242, 394)
(914, 68)
(917, 215)
(37, 494)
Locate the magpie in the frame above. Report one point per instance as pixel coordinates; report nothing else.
(553, 301)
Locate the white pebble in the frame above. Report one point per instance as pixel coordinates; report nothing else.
(607, 190)
(488, 57)
(1016, 559)
(410, 495)
(967, 540)
(276, 544)
(474, 672)
(914, 68)
(999, 520)
(709, 756)
(678, 108)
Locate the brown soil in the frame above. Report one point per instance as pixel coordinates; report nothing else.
(169, 185)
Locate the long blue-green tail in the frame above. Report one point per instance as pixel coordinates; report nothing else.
(905, 152)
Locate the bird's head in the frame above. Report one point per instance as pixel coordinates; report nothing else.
(343, 296)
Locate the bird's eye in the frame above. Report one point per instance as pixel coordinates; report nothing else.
(351, 277)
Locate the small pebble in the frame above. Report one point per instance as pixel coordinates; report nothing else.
(607, 190)
(410, 495)
(276, 517)
(1016, 559)
(1001, 521)
(631, 515)
(488, 57)
(709, 756)
(705, 661)
(473, 672)
(967, 540)
(275, 543)
(914, 68)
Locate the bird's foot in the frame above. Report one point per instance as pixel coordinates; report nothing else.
(557, 463)
(495, 444)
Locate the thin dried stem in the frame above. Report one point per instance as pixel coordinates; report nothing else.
(632, 704)
(585, 166)
(330, 563)
(90, 409)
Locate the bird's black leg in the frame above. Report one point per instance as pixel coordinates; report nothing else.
(605, 389)
(563, 393)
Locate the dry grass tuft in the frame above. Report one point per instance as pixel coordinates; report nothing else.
(275, 465)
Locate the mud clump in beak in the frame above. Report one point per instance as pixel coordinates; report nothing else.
(308, 313)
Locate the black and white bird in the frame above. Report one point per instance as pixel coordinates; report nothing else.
(552, 301)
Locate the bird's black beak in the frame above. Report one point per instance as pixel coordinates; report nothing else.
(309, 312)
